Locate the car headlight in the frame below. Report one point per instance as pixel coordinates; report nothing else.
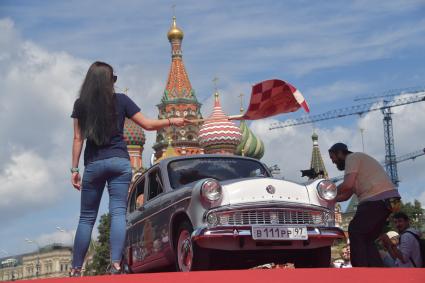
(327, 190)
(211, 191)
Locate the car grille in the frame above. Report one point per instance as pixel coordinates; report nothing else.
(283, 216)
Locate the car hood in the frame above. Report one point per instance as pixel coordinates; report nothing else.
(254, 190)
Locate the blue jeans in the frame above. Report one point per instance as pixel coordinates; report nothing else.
(116, 172)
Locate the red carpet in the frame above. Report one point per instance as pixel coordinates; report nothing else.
(361, 275)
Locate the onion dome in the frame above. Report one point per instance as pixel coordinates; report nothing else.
(218, 134)
(133, 133)
(175, 32)
(250, 145)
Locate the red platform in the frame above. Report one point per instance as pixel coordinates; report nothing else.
(349, 275)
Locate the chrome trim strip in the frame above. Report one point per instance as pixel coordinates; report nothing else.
(257, 213)
(267, 204)
(230, 231)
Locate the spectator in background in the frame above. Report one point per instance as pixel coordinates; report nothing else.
(345, 261)
(409, 252)
(390, 241)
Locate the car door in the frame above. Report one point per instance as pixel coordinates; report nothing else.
(135, 213)
(153, 219)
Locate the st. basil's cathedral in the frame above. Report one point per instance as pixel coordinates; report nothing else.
(217, 134)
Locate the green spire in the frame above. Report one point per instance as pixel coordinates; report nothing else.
(316, 158)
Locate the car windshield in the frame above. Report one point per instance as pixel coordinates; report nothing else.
(182, 172)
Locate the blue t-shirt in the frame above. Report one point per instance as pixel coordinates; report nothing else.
(125, 107)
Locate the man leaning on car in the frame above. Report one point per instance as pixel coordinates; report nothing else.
(367, 179)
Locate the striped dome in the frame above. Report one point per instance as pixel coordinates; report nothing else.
(133, 133)
(250, 145)
(218, 132)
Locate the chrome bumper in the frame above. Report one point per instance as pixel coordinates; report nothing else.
(235, 232)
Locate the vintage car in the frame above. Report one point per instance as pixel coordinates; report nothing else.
(218, 211)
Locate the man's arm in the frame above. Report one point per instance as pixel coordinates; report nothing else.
(391, 248)
(406, 247)
(345, 189)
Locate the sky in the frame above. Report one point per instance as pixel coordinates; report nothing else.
(332, 51)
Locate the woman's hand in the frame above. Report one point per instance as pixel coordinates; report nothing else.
(76, 180)
(180, 121)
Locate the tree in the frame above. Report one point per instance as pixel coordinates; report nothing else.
(415, 212)
(416, 215)
(101, 258)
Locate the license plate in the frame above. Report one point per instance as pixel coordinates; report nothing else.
(279, 233)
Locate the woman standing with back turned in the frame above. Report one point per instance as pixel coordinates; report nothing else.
(99, 114)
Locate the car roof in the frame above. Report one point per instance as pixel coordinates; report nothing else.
(163, 163)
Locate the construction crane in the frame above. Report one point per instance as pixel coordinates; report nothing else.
(384, 106)
(399, 159)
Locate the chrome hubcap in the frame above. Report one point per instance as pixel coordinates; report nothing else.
(185, 251)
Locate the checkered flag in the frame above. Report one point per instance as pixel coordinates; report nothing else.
(274, 97)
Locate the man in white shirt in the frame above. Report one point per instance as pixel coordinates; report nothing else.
(367, 179)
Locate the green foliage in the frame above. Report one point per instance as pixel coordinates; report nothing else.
(101, 253)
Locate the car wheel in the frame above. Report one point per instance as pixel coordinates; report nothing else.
(189, 256)
(321, 257)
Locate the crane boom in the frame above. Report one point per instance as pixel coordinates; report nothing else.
(348, 111)
(392, 93)
(411, 155)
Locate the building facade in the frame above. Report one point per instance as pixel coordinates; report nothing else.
(49, 262)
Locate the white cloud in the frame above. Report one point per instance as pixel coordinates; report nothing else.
(38, 90)
(58, 237)
(334, 91)
(26, 184)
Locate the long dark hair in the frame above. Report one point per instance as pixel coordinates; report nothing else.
(98, 119)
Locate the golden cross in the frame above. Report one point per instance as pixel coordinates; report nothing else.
(241, 97)
(215, 80)
(174, 9)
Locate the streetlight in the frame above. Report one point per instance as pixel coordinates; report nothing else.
(37, 265)
(60, 229)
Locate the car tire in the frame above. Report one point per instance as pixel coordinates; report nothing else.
(188, 255)
(321, 257)
(126, 268)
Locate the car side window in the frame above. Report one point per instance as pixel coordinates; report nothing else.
(155, 183)
(132, 201)
(140, 193)
(137, 195)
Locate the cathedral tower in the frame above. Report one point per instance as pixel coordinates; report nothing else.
(178, 100)
(317, 163)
